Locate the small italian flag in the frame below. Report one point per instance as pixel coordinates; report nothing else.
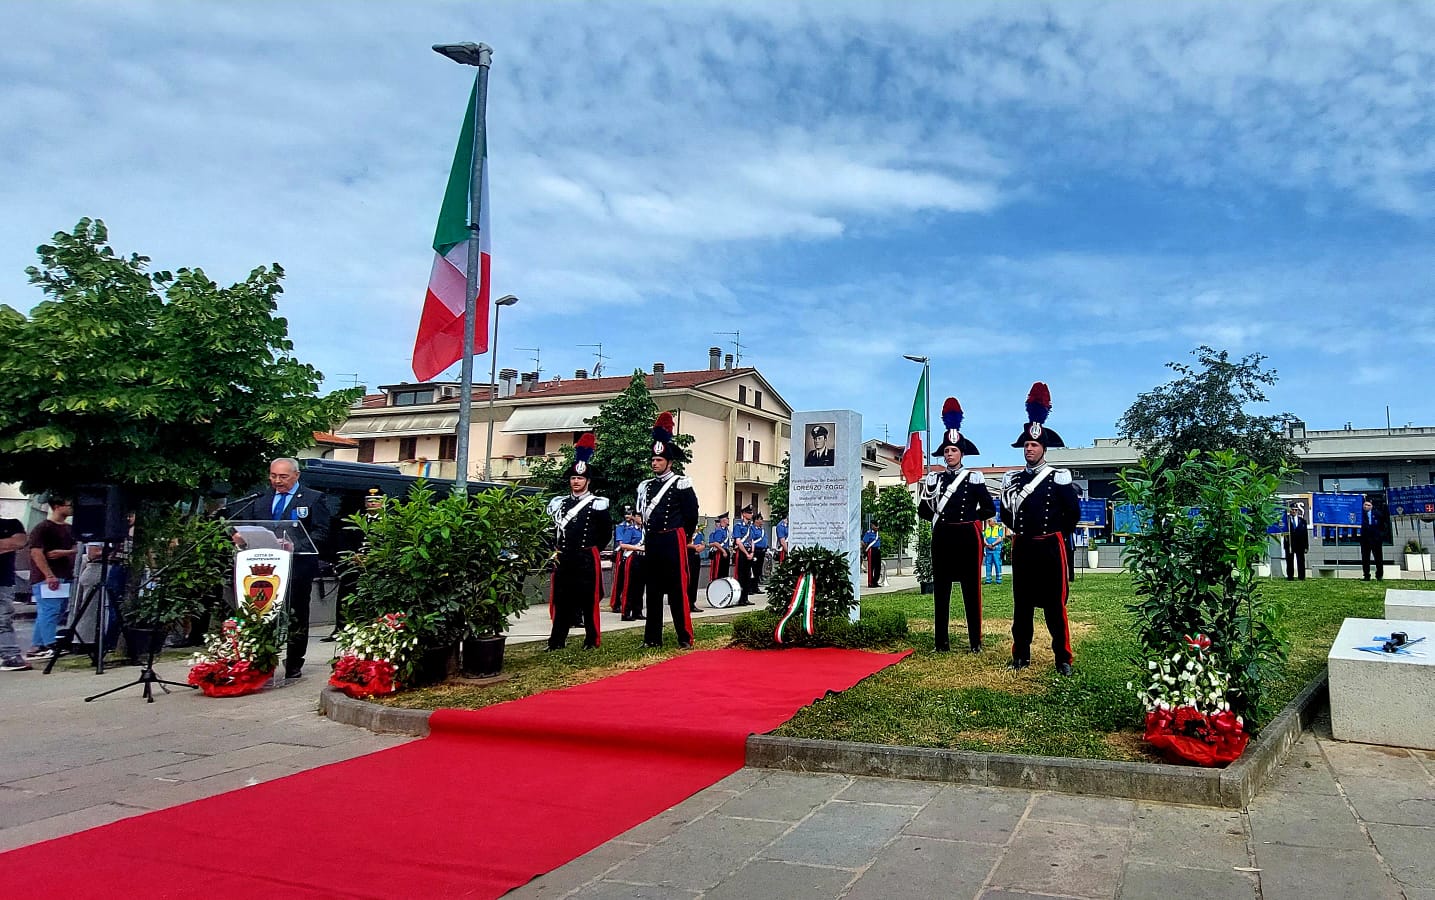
(440, 341)
(914, 460)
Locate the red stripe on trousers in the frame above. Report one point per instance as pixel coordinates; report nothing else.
(1065, 590)
(597, 596)
(981, 551)
(551, 577)
(683, 569)
(620, 577)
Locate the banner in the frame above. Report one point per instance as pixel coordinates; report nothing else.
(1128, 518)
(1093, 512)
(1418, 500)
(1336, 510)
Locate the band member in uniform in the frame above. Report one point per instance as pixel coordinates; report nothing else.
(820, 454)
(872, 553)
(781, 533)
(696, 543)
(582, 527)
(956, 503)
(669, 507)
(759, 551)
(628, 567)
(1040, 506)
(718, 550)
(742, 551)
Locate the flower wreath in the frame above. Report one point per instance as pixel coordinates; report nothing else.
(1187, 716)
(239, 658)
(374, 658)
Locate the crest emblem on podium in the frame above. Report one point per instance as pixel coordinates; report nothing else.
(261, 580)
(261, 586)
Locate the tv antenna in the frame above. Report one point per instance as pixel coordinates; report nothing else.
(351, 377)
(736, 344)
(598, 358)
(537, 359)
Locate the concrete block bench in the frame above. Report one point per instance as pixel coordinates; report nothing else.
(1418, 606)
(1383, 698)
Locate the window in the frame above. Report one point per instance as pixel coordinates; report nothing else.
(408, 448)
(757, 399)
(537, 445)
(740, 447)
(872, 453)
(448, 446)
(366, 451)
(1353, 484)
(757, 451)
(412, 398)
(742, 393)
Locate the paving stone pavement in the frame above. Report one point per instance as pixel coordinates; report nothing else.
(1336, 820)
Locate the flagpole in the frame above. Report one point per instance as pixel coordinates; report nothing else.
(480, 55)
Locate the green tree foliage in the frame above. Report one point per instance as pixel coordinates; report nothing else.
(924, 554)
(777, 494)
(1205, 410)
(165, 382)
(1193, 567)
(869, 501)
(896, 515)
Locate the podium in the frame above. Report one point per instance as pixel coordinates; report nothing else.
(266, 554)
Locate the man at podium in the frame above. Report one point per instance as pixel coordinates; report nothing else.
(288, 501)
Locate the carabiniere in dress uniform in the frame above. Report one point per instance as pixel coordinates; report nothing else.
(582, 527)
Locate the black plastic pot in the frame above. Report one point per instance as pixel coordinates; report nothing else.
(483, 656)
(926, 587)
(435, 664)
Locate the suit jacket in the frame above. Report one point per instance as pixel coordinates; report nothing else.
(1372, 533)
(306, 506)
(1298, 539)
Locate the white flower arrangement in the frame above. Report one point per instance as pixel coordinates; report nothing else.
(384, 639)
(1184, 678)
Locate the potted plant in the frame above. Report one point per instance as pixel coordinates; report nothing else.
(1417, 557)
(187, 562)
(454, 564)
(1093, 556)
(924, 559)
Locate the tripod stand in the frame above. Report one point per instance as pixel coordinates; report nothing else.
(147, 677)
(65, 641)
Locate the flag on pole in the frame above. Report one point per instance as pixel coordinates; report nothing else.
(440, 339)
(914, 460)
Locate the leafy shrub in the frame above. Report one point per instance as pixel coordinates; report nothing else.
(874, 628)
(924, 554)
(831, 572)
(189, 560)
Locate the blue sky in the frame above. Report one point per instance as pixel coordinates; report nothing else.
(1075, 192)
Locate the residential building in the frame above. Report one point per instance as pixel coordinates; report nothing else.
(740, 424)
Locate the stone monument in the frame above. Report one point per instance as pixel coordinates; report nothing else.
(825, 488)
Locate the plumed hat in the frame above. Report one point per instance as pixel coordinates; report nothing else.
(663, 439)
(952, 435)
(582, 452)
(1038, 407)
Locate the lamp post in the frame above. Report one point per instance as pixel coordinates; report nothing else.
(481, 56)
(926, 413)
(505, 300)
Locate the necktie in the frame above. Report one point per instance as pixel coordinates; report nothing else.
(279, 501)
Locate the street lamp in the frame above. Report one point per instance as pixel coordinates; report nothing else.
(505, 300)
(926, 413)
(480, 55)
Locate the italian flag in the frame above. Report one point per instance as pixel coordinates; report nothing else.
(914, 460)
(440, 341)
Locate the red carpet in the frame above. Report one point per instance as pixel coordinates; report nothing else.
(491, 799)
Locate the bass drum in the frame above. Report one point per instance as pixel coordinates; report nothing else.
(724, 592)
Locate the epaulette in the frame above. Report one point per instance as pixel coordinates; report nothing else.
(977, 477)
(554, 504)
(600, 502)
(684, 482)
(1061, 476)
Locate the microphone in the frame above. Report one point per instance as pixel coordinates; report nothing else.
(240, 502)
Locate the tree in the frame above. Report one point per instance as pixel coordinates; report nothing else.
(1205, 410)
(869, 501)
(162, 382)
(896, 516)
(778, 493)
(623, 428)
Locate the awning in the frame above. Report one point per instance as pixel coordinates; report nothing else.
(546, 419)
(409, 425)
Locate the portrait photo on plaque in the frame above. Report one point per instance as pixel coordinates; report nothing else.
(821, 436)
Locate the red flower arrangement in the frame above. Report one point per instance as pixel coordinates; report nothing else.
(373, 657)
(1187, 716)
(239, 659)
(364, 677)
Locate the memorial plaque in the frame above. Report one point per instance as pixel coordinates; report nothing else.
(825, 489)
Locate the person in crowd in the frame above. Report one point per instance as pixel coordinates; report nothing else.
(742, 552)
(781, 534)
(956, 502)
(669, 507)
(582, 527)
(992, 536)
(1040, 506)
(696, 544)
(1297, 541)
(350, 543)
(1372, 540)
(52, 573)
(628, 567)
(872, 555)
(719, 555)
(759, 551)
(12, 539)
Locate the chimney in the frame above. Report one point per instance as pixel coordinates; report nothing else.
(505, 382)
(658, 371)
(580, 374)
(714, 359)
(727, 361)
(526, 382)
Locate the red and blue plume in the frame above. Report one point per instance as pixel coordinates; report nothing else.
(583, 450)
(663, 428)
(1038, 403)
(952, 414)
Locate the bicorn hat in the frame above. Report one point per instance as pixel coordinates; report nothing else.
(663, 439)
(582, 452)
(952, 435)
(1038, 407)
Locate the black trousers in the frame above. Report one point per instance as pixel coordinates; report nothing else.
(694, 560)
(628, 585)
(746, 576)
(956, 557)
(666, 576)
(1039, 580)
(874, 569)
(576, 589)
(1295, 564)
(718, 565)
(1369, 551)
(301, 585)
(759, 565)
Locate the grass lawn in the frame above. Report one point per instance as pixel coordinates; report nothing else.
(967, 701)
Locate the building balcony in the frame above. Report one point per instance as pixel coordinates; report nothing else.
(428, 468)
(515, 468)
(754, 472)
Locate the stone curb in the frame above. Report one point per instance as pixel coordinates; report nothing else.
(342, 708)
(1232, 787)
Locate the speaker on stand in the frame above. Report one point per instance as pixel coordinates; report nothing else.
(99, 516)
